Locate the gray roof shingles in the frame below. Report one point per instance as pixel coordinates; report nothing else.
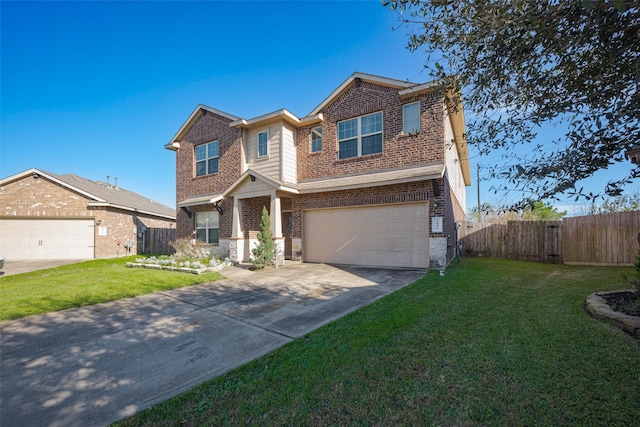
(116, 195)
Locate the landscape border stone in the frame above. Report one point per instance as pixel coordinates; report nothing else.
(203, 270)
(596, 305)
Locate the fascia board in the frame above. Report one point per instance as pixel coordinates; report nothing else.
(420, 88)
(247, 175)
(283, 114)
(201, 200)
(376, 180)
(185, 126)
(130, 209)
(31, 171)
(20, 175)
(311, 120)
(456, 116)
(384, 81)
(174, 143)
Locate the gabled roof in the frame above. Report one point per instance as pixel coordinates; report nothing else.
(200, 199)
(200, 110)
(406, 88)
(253, 175)
(100, 193)
(401, 85)
(282, 114)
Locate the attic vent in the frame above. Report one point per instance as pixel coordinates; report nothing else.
(358, 81)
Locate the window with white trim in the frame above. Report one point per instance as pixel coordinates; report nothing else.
(411, 117)
(263, 144)
(208, 227)
(207, 158)
(360, 136)
(316, 139)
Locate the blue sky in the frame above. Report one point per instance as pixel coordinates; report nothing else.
(98, 88)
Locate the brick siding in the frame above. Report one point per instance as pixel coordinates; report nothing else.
(32, 197)
(207, 128)
(398, 149)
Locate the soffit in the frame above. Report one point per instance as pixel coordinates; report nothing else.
(375, 179)
(201, 109)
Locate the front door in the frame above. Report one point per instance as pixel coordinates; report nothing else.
(286, 232)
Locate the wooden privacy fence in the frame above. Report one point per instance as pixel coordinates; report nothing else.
(156, 241)
(539, 241)
(609, 239)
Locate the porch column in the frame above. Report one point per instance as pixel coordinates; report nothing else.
(236, 230)
(236, 243)
(276, 216)
(276, 228)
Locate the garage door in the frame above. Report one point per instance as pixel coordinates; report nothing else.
(383, 236)
(47, 238)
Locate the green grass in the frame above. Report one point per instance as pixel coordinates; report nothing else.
(493, 342)
(85, 283)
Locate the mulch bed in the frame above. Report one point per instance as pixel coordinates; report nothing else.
(624, 302)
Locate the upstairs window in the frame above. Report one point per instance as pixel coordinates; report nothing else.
(360, 136)
(207, 158)
(411, 118)
(207, 227)
(316, 140)
(263, 144)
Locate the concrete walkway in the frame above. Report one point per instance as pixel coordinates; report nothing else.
(95, 365)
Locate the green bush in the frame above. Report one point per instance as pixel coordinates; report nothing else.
(263, 254)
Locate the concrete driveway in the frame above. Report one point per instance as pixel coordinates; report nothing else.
(95, 365)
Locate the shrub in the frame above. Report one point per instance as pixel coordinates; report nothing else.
(190, 249)
(263, 254)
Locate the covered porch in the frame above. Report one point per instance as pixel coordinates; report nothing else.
(250, 193)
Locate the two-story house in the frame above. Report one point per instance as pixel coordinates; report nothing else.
(375, 175)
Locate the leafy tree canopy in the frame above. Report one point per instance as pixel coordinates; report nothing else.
(534, 211)
(622, 203)
(573, 66)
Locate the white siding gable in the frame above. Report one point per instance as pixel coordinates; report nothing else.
(270, 164)
(280, 162)
(452, 161)
(289, 158)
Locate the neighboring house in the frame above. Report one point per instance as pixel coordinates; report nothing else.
(375, 175)
(633, 154)
(44, 215)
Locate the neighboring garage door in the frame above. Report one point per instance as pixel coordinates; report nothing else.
(383, 236)
(47, 238)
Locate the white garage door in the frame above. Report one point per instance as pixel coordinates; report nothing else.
(47, 238)
(383, 236)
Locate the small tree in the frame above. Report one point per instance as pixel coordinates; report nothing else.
(263, 254)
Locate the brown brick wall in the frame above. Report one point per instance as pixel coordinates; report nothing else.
(399, 193)
(251, 215)
(398, 149)
(122, 225)
(186, 225)
(31, 197)
(209, 127)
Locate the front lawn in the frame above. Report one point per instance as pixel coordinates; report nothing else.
(493, 342)
(85, 283)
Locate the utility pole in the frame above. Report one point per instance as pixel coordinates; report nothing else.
(478, 178)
